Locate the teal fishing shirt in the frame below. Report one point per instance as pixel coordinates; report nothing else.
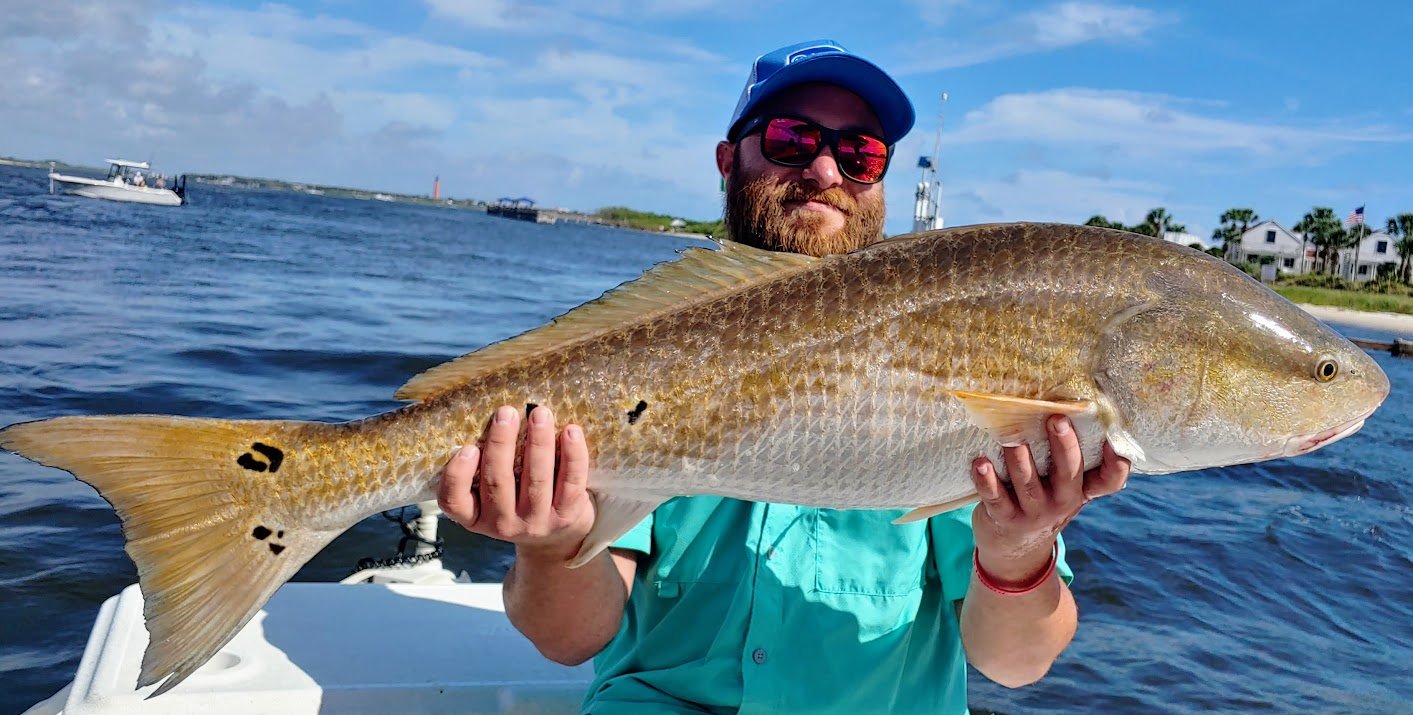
(764, 608)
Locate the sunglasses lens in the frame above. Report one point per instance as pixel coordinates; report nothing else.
(790, 141)
(862, 158)
(795, 142)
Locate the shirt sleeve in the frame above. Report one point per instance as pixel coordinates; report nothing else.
(952, 546)
(638, 538)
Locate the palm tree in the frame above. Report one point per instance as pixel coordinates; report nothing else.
(1226, 238)
(1322, 228)
(1355, 237)
(1401, 227)
(1235, 224)
(1101, 222)
(1158, 223)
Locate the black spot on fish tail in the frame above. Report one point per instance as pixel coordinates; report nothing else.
(262, 533)
(276, 549)
(637, 412)
(274, 456)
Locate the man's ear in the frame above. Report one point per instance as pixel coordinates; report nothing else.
(725, 158)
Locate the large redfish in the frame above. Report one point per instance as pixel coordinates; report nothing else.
(860, 381)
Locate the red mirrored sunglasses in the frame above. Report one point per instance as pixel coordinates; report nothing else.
(794, 142)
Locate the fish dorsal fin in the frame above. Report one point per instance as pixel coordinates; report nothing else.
(1016, 420)
(700, 275)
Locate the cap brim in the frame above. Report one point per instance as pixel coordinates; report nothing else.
(873, 85)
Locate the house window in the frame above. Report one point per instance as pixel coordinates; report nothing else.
(1287, 263)
(1270, 236)
(1363, 270)
(1381, 247)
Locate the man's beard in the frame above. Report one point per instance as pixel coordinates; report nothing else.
(756, 215)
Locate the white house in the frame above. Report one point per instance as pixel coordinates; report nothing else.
(1292, 255)
(1269, 238)
(1183, 238)
(1362, 264)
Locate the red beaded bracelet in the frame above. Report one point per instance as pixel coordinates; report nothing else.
(1039, 581)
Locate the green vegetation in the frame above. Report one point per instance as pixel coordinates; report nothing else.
(1353, 300)
(1235, 222)
(1321, 229)
(1156, 223)
(647, 221)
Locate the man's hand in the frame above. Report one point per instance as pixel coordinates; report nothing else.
(1015, 527)
(545, 515)
(569, 614)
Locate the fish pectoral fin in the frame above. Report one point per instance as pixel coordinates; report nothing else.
(615, 515)
(1016, 420)
(1127, 447)
(931, 510)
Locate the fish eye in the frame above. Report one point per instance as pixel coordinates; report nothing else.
(1326, 369)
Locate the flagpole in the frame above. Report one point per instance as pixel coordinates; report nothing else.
(1358, 241)
(1359, 244)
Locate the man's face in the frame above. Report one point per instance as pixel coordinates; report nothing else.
(813, 209)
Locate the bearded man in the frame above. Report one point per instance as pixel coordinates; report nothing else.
(721, 605)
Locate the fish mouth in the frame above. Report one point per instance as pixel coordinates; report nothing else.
(1303, 444)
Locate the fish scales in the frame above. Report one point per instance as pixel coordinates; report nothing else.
(771, 382)
(866, 380)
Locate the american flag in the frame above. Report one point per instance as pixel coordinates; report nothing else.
(1355, 217)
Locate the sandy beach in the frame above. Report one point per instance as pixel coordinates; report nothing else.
(1397, 323)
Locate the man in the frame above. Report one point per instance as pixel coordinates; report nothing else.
(716, 604)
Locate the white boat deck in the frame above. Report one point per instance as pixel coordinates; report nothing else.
(336, 648)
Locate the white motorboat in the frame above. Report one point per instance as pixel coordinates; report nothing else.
(406, 638)
(126, 181)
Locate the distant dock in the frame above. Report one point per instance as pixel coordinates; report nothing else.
(1398, 346)
(524, 209)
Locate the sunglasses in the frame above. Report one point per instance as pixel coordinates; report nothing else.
(789, 141)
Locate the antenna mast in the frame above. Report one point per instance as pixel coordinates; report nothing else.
(927, 212)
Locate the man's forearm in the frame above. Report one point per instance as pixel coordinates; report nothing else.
(569, 614)
(1013, 639)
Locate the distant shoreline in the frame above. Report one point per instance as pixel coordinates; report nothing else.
(232, 181)
(1388, 322)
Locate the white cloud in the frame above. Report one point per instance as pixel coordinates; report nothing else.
(1151, 126)
(302, 57)
(1053, 195)
(493, 14)
(613, 25)
(1045, 30)
(1075, 23)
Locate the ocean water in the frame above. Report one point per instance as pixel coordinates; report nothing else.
(1280, 587)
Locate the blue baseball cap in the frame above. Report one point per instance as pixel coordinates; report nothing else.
(824, 61)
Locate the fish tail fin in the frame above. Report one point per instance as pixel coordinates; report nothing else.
(206, 509)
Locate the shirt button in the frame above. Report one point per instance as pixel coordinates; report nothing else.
(758, 655)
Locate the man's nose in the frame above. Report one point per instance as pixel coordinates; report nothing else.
(823, 171)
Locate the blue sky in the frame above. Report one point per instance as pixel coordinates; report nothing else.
(1056, 111)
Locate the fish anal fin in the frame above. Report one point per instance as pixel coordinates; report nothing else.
(701, 275)
(615, 515)
(1017, 420)
(931, 510)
